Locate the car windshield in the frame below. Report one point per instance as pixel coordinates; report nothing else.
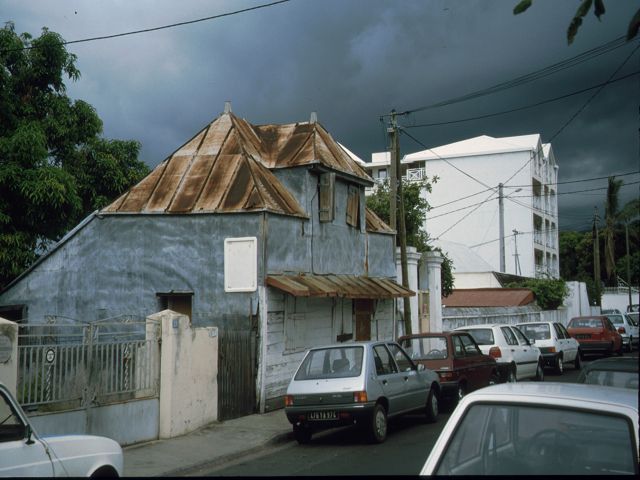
(585, 323)
(537, 331)
(335, 362)
(613, 379)
(616, 319)
(426, 348)
(503, 439)
(482, 336)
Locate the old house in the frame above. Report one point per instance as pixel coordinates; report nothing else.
(259, 228)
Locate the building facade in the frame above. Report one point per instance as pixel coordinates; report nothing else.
(490, 189)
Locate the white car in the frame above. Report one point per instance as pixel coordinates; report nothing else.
(517, 358)
(626, 327)
(557, 346)
(540, 429)
(24, 453)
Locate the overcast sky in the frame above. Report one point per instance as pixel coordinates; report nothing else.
(352, 61)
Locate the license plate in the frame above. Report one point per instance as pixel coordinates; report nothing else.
(328, 415)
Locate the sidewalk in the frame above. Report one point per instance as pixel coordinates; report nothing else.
(214, 443)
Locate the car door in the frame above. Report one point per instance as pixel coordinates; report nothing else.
(571, 344)
(415, 387)
(562, 344)
(478, 369)
(393, 384)
(528, 355)
(613, 335)
(20, 456)
(514, 353)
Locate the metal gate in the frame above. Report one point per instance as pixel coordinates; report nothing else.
(71, 365)
(236, 373)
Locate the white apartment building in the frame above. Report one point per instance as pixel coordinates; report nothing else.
(466, 199)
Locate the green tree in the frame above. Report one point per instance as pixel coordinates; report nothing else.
(54, 165)
(611, 207)
(415, 208)
(583, 9)
(550, 293)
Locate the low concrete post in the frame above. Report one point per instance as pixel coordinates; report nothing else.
(188, 375)
(9, 354)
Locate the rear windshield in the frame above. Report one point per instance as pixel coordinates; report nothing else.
(426, 348)
(616, 319)
(613, 379)
(585, 323)
(482, 336)
(537, 331)
(338, 362)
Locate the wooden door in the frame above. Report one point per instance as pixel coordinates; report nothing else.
(363, 310)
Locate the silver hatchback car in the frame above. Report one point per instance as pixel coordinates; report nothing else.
(361, 383)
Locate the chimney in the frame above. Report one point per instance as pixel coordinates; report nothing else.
(314, 117)
(227, 107)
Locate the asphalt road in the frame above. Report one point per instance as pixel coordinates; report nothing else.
(345, 452)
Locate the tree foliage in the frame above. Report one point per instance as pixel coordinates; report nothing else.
(54, 165)
(549, 292)
(583, 9)
(415, 208)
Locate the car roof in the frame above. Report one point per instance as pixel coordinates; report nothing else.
(616, 364)
(351, 344)
(556, 393)
(448, 333)
(487, 325)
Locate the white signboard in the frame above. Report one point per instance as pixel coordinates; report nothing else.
(241, 264)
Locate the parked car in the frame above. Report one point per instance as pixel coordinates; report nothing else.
(362, 383)
(635, 307)
(24, 453)
(556, 344)
(606, 311)
(456, 358)
(596, 334)
(619, 372)
(516, 357)
(627, 329)
(533, 428)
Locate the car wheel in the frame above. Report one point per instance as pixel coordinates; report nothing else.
(629, 348)
(378, 424)
(540, 372)
(512, 374)
(302, 434)
(462, 391)
(559, 365)
(431, 409)
(577, 363)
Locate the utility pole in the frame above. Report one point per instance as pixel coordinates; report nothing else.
(626, 234)
(398, 203)
(596, 254)
(393, 174)
(501, 214)
(517, 257)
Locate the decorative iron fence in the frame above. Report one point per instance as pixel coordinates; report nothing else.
(77, 365)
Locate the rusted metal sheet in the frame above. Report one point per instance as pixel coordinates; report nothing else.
(375, 224)
(225, 168)
(347, 286)
(490, 297)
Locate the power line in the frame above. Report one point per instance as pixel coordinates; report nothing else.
(543, 102)
(567, 63)
(163, 27)
(469, 213)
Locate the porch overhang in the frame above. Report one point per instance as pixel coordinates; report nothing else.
(346, 286)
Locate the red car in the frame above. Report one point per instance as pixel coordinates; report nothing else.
(456, 358)
(595, 334)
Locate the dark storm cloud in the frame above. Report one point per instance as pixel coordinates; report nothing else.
(352, 61)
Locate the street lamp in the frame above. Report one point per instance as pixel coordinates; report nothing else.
(501, 211)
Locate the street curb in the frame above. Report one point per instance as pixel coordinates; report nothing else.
(274, 440)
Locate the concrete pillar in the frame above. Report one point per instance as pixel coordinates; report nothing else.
(9, 354)
(433, 261)
(413, 257)
(188, 374)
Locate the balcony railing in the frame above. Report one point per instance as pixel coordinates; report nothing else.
(414, 174)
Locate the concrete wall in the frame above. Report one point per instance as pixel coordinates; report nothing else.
(127, 422)
(188, 374)
(9, 354)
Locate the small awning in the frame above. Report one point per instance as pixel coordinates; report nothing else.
(347, 286)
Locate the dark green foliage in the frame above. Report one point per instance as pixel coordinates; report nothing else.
(55, 168)
(550, 293)
(415, 207)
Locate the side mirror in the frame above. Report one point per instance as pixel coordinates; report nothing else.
(29, 433)
(532, 341)
(421, 367)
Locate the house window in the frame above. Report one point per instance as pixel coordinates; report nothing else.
(353, 207)
(327, 196)
(382, 173)
(178, 302)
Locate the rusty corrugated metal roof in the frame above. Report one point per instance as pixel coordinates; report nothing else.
(224, 168)
(489, 297)
(375, 224)
(348, 286)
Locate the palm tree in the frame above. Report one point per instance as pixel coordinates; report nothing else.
(611, 218)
